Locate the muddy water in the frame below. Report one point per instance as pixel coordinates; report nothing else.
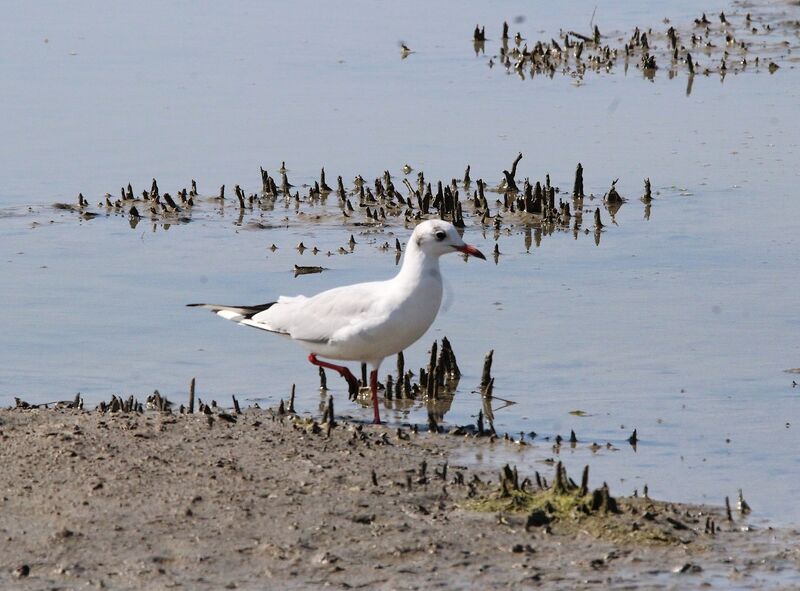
(680, 325)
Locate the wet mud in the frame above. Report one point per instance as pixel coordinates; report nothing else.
(220, 499)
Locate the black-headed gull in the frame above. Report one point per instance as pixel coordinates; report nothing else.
(365, 322)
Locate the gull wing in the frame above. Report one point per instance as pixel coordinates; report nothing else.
(321, 318)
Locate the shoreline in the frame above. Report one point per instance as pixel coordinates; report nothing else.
(260, 500)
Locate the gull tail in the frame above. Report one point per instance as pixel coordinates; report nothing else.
(235, 313)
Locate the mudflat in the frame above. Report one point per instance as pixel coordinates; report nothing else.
(261, 500)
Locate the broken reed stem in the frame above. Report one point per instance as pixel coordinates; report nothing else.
(433, 426)
(430, 381)
(514, 165)
(450, 358)
(239, 196)
(486, 376)
(389, 387)
(584, 490)
(577, 190)
(327, 417)
(560, 484)
(400, 374)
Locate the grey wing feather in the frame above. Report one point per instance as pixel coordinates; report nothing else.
(319, 318)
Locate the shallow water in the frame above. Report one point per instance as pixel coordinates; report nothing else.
(680, 325)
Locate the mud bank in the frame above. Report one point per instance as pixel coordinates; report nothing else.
(258, 500)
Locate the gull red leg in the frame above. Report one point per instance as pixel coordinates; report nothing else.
(373, 386)
(352, 382)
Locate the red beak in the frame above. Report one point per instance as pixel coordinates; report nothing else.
(471, 251)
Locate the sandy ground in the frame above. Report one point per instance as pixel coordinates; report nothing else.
(162, 501)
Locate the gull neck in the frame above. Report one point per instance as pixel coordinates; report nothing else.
(417, 263)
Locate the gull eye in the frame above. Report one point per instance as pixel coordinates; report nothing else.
(440, 235)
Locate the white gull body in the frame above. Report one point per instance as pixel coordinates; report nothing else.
(364, 322)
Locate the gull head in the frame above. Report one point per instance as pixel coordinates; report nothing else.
(437, 237)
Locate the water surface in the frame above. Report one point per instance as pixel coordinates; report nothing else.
(680, 325)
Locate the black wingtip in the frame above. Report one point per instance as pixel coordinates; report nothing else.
(246, 311)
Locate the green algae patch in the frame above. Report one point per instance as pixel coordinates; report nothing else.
(523, 501)
(565, 507)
